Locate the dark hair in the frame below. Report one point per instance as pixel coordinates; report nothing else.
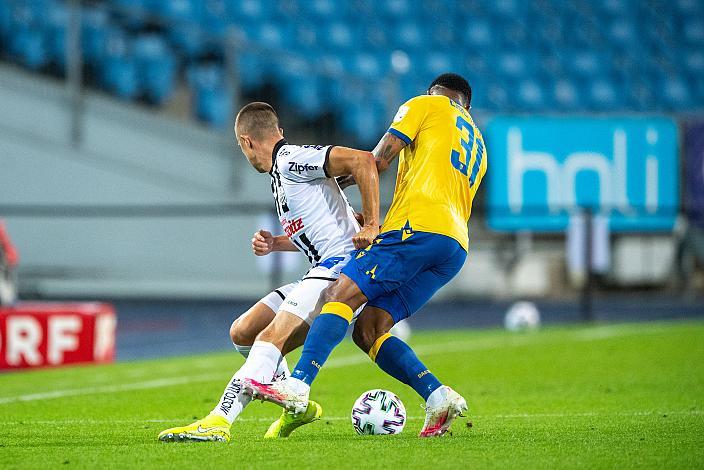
(257, 119)
(455, 83)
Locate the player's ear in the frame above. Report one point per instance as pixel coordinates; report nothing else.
(281, 129)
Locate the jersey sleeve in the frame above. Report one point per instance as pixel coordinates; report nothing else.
(306, 163)
(409, 119)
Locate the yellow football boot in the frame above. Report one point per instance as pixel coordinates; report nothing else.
(288, 422)
(211, 428)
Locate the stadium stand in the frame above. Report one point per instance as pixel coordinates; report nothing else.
(538, 56)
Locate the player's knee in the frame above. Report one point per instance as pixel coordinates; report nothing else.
(345, 291)
(241, 333)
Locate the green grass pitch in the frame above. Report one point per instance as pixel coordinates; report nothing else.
(596, 396)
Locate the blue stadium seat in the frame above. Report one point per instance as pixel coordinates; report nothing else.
(338, 35)
(603, 95)
(395, 9)
(330, 64)
(410, 36)
(252, 69)
(175, 10)
(375, 36)
(689, 7)
(566, 95)
(134, 13)
(214, 107)
(213, 103)
(213, 17)
(366, 121)
(94, 24)
(622, 32)
(120, 76)
(513, 65)
(55, 33)
(443, 33)
(614, 7)
(188, 38)
(586, 63)
(368, 66)
(410, 85)
(693, 31)
(322, 9)
(435, 63)
(498, 96)
(28, 46)
(156, 65)
(530, 95)
(676, 93)
(272, 35)
(305, 34)
(505, 8)
(479, 35)
(693, 61)
(118, 69)
(305, 95)
(241, 11)
(5, 22)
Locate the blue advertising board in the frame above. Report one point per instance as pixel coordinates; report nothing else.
(541, 169)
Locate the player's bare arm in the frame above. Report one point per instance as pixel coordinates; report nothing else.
(263, 243)
(384, 153)
(387, 150)
(362, 167)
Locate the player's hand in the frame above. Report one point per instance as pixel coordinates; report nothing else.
(262, 242)
(365, 237)
(360, 218)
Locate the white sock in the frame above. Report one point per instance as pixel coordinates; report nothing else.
(282, 372)
(298, 385)
(244, 350)
(232, 401)
(262, 363)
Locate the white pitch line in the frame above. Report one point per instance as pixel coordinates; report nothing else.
(357, 359)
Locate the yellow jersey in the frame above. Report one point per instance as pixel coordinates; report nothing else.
(439, 170)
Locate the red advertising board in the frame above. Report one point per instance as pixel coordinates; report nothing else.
(38, 334)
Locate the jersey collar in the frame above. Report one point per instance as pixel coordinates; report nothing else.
(277, 147)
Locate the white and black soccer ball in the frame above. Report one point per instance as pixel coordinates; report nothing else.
(378, 412)
(522, 316)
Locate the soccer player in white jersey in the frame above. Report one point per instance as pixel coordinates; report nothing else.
(318, 221)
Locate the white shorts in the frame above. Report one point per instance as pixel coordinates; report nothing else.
(303, 298)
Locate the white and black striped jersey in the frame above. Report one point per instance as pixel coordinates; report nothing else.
(312, 209)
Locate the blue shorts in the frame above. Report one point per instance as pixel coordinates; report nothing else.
(400, 276)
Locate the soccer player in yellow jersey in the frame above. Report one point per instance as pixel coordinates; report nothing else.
(422, 245)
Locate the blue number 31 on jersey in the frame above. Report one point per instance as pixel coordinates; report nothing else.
(461, 160)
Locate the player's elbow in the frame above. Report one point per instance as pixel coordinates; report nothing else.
(364, 163)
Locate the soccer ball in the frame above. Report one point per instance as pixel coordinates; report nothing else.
(378, 412)
(522, 316)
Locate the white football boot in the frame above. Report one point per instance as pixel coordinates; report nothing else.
(291, 394)
(443, 406)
